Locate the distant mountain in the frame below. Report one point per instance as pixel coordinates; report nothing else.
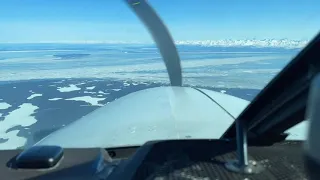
(248, 44)
(263, 43)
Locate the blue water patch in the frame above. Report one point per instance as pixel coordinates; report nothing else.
(70, 56)
(210, 55)
(147, 72)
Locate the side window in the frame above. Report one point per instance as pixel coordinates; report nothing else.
(299, 131)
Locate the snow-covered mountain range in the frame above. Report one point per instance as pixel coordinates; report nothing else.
(276, 43)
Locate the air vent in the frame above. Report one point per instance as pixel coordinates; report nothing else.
(39, 157)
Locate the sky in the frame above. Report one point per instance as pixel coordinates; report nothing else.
(112, 20)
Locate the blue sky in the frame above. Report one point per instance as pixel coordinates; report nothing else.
(103, 20)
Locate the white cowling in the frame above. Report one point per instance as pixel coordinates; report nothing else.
(151, 114)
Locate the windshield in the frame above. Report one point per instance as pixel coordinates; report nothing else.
(62, 60)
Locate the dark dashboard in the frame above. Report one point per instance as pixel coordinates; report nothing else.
(173, 159)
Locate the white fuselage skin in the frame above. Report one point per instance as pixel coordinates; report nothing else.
(151, 114)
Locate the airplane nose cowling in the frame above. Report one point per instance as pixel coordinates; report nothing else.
(151, 114)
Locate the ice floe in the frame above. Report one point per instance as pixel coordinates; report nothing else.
(101, 92)
(91, 100)
(90, 88)
(18, 117)
(33, 96)
(4, 105)
(69, 88)
(54, 99)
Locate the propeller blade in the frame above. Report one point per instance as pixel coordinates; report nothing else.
(161, 36)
